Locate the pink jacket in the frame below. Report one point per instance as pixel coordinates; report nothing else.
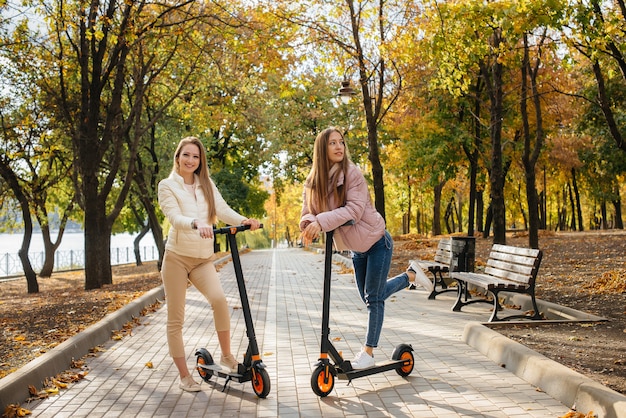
(369, 225)
(181, 209)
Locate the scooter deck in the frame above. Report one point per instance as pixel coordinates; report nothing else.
(383, 367)
(216, 369)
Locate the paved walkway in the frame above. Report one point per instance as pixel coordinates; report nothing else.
(450, 379)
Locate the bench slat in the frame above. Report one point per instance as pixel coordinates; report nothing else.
(443, 257)
(529, 252)
(444, 251)
(508, 275)
(523, 270)
(512, 258)
(487, 281)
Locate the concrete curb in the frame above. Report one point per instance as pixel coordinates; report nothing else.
(14, 387)
(571, 388)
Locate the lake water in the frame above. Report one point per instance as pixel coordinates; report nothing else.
(71, 251)
(10, 243)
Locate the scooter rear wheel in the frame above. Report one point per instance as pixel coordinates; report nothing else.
(260, 382)
(204, 358)
(323, 380)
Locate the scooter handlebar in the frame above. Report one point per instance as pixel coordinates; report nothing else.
(232, 229)
(347, 223)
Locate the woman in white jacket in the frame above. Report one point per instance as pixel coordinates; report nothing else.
(192, 204)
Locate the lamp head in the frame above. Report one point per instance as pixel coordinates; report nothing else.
(346, 91)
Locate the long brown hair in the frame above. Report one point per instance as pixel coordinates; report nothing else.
(318, 179)
(202, 172)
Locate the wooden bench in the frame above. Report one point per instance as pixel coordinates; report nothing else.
(509, 269)
(439, 266)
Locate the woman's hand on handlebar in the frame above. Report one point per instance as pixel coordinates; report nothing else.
(311, 232)
(254, 223)
(205, 230)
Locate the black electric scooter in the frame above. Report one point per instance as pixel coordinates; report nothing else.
(252, 369)
(323, 377)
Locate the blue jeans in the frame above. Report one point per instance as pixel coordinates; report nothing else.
(371, 269)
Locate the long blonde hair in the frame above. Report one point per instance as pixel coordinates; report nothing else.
(202, 172)
(317, 181)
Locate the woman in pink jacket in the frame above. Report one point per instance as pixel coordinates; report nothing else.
(192, 205)
(336, 192)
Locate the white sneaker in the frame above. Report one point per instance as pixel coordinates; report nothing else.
(189, 385)
(230, 363)
(420, 277)
(362, 361)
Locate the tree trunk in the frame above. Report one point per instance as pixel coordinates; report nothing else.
(419, 220)
(12, 181)
(473, 160)
(437, 208)
(157, 234)
(50, 247)
(531, 153)
(579, 209)
(372, 105)
(471, 210)
(562, 211)
(496, 175)
(488, 219)
(607, 109)
(570, 193)
(524, 216)
(97, 237)
(605, 224)
(49, 250)
(377, 168)
(97, 256)
(410, 206)
(136, 247)
(31, 277)
(458, 206)
(533, 210)
(147, 195)
(32, 285)
(480, 211)
(542, 210)
(543, 202)
(449, 215)
(101, 137)
(617, 204)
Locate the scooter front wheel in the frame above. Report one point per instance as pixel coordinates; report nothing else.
(260, 382)
(204, 358)
(404, 352)
(323, 379)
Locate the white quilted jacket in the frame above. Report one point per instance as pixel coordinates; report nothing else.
(181, 209)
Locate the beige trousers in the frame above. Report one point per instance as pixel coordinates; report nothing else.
(175, 272)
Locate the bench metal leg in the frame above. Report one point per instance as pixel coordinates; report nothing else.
(439, 280)
(463, 296)
(494, 316)
(496, 307)
(461, 290)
